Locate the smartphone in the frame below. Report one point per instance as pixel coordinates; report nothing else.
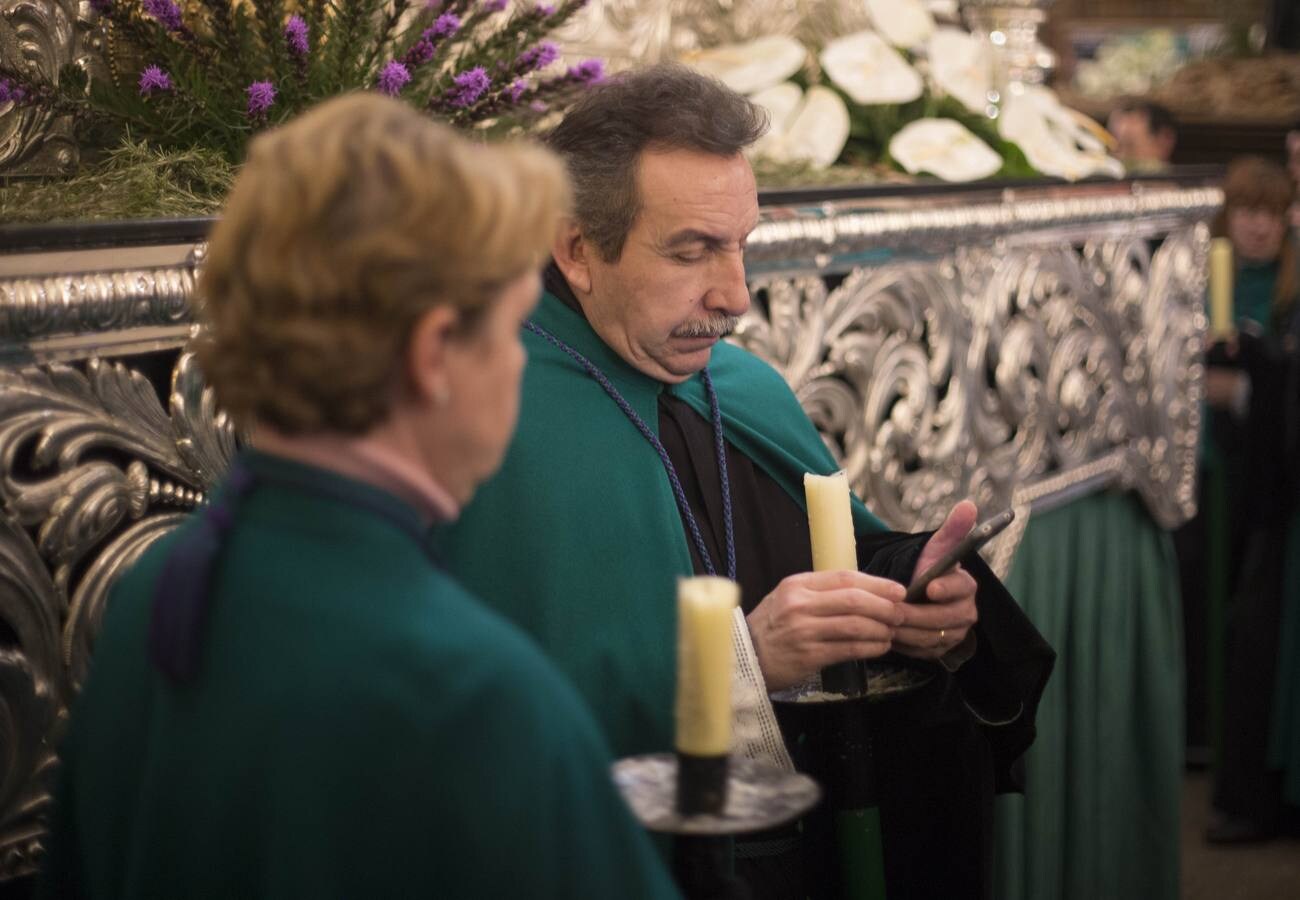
(978, 536)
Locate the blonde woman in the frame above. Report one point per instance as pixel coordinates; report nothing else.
(289, 697)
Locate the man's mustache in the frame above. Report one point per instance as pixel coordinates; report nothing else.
(717, 327)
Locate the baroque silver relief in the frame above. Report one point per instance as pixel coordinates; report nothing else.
(97, 302)
(993, 373)
(45, 35)
(93, 470)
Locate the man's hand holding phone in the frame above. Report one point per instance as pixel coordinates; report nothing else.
(941, 611)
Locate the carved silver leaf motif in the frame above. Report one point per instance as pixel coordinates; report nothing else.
(44, 36)
(94, 470)
(982, 374)
(86, 610)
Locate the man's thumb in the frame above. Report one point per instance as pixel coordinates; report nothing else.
(958, 524)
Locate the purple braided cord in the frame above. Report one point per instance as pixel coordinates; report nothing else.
(600, 378)
(721, 452)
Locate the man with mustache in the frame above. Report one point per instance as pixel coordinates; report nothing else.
(648, 449)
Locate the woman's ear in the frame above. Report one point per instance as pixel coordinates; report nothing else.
(571, 253)
(426, 354)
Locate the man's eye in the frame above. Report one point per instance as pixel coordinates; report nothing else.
(687, 258)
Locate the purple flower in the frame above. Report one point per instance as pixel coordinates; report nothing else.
(538, 106)
(261, 94)
(516, 90)
(8, 91)
(393, 78)
(422, 51)
(101, 6)
(166, 12)
(536, 57)
(153, 80)
(469, 87)
(545, 10)
(589, 71)
(445, 25)
(295, 35)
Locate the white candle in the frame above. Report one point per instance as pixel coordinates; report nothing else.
(705, 660)
(1222, 275)
(830, 522)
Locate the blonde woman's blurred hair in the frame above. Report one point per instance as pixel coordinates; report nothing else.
(344, 227)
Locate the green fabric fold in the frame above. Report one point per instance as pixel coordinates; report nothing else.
(1100, 813)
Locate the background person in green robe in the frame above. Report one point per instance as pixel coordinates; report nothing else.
(1253, 389)
(648, 450)
(289, 697)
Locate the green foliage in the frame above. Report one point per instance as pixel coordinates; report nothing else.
(209, 53)
(133, 181)
(772, 174)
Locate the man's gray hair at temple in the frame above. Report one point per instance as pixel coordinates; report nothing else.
(664, 107)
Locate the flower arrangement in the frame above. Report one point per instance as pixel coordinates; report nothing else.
(847, 106)
(903, 96)
(212, 73)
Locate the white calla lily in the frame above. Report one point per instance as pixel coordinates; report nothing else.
(904, 23)
(781, 101)
(945, 148)
(961, 65)
(870, 71)
(820, 128)
(811, 128)
(752, 66)
(1053, 139)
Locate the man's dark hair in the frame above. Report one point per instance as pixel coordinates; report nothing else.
(663, 107)
(1159, 118)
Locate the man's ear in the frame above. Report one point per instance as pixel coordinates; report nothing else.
(572, 253)
(426, 354)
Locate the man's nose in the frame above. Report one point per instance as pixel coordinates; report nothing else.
(728, 292)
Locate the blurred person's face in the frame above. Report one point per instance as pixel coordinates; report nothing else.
(1256, 234)
(469, 380)
(1136, 142)
(679, 284)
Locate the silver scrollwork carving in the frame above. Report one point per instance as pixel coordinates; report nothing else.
(987, 372)
(93, 470)
(44, 36)
(95, 302)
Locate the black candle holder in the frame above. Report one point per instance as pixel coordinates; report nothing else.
(754, 797)
(861, 679)
(847, 678)
(757, 796)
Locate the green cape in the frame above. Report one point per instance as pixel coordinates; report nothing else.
(578, 539)
(360, 727)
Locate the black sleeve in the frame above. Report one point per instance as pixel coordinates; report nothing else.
(1002, 683)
